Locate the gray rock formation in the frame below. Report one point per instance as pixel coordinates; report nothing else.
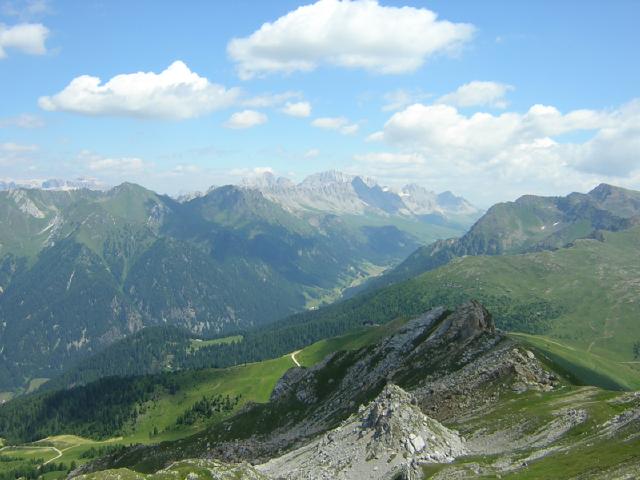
(388, 437)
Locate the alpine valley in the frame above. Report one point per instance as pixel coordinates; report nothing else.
(81, 269)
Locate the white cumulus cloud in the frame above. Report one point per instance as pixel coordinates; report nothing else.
(27, 38)
(352, 34)
(176, 93)
(541, 150)
(297, 109)
(477, 93)
(442, 131)
(246, 119)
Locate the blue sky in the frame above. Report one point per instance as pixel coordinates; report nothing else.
(547, 105)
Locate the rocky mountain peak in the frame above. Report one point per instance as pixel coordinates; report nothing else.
(602, 191)
(450, 202)
(397, 422)
(339, 192)
(413, 189)
(55, 184)
(78, 183)
(387, 438)
(469, 320)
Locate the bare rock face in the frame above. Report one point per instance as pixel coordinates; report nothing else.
(388, 437)
(286, 383)
(469, 320)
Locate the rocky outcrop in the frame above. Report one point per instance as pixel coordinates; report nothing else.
(386, 438)
(469, 320)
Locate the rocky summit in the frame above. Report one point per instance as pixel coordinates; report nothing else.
(388, 437)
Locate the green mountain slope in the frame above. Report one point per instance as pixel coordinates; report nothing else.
(146, 408)
(500, 385)
(82, 269)
(584, 295)
(530, 223)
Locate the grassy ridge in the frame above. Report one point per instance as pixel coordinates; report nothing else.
(352, 341)
(582, 367)
(592, 285)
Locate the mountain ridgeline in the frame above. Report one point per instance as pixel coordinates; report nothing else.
(529, 224)
(345, 194)
(80, 269)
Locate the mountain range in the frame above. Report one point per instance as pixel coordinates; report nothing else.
(330, 191)
(53, 184)
(533, 293)
(341, 193)
(81, 268)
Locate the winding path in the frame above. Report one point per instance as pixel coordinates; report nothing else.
(59, 452)
(295, 360)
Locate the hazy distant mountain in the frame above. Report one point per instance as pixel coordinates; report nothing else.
(54, 184)
(342, 193)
